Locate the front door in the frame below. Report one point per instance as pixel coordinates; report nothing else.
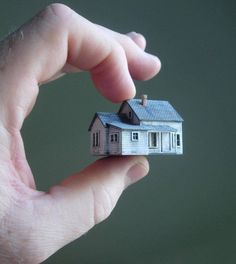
(153, 140)
(165, 142)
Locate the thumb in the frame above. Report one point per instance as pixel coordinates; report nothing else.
(42, 223)
(87, 198)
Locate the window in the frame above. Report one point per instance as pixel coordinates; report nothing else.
(135, 136)
(178, 140)
(96, 139)
(130, 115)
(153, 139)
(94, 143)
(114, 137)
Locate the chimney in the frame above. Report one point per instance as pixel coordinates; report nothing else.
(144, 100)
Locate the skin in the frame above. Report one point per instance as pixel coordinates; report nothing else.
(35, 224)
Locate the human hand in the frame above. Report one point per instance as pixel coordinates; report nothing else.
(34, 224)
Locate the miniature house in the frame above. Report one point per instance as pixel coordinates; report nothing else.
(141, 127)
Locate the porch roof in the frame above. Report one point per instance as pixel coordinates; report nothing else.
(118, 121)
(158, 128)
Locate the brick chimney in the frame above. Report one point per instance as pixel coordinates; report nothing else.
(144, 99)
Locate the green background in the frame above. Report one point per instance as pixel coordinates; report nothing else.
(185, 211)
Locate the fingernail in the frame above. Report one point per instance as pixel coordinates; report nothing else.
(133, 32)
(139, 169)
(138, 38)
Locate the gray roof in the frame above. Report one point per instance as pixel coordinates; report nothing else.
(118, 121)
(107, 118)
(154, 110)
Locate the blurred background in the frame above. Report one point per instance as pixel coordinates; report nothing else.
(185, 211)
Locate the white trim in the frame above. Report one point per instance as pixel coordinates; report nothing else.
(136, 133)
(150, 145)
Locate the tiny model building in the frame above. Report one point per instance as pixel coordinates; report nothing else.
(141, 127)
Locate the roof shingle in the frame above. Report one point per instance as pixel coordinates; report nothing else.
(154, 110)
(112, 119)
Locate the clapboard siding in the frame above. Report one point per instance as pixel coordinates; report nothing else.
(130, 147)
(114, 148)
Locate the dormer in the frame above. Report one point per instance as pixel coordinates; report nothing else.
(144, 111)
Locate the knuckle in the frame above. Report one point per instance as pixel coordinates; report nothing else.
(55, 14)
(119, 49)
(7, 45)
(103, 204)
(59, 10)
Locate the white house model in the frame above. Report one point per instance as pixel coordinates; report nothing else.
(141, 127)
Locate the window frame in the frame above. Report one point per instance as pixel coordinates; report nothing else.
(96, 139)
(173, 141)
(130, 115)
(134, 138)
(178, 141)
(114, 137)
(156, 139)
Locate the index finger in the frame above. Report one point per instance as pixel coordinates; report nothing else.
(58, 36)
